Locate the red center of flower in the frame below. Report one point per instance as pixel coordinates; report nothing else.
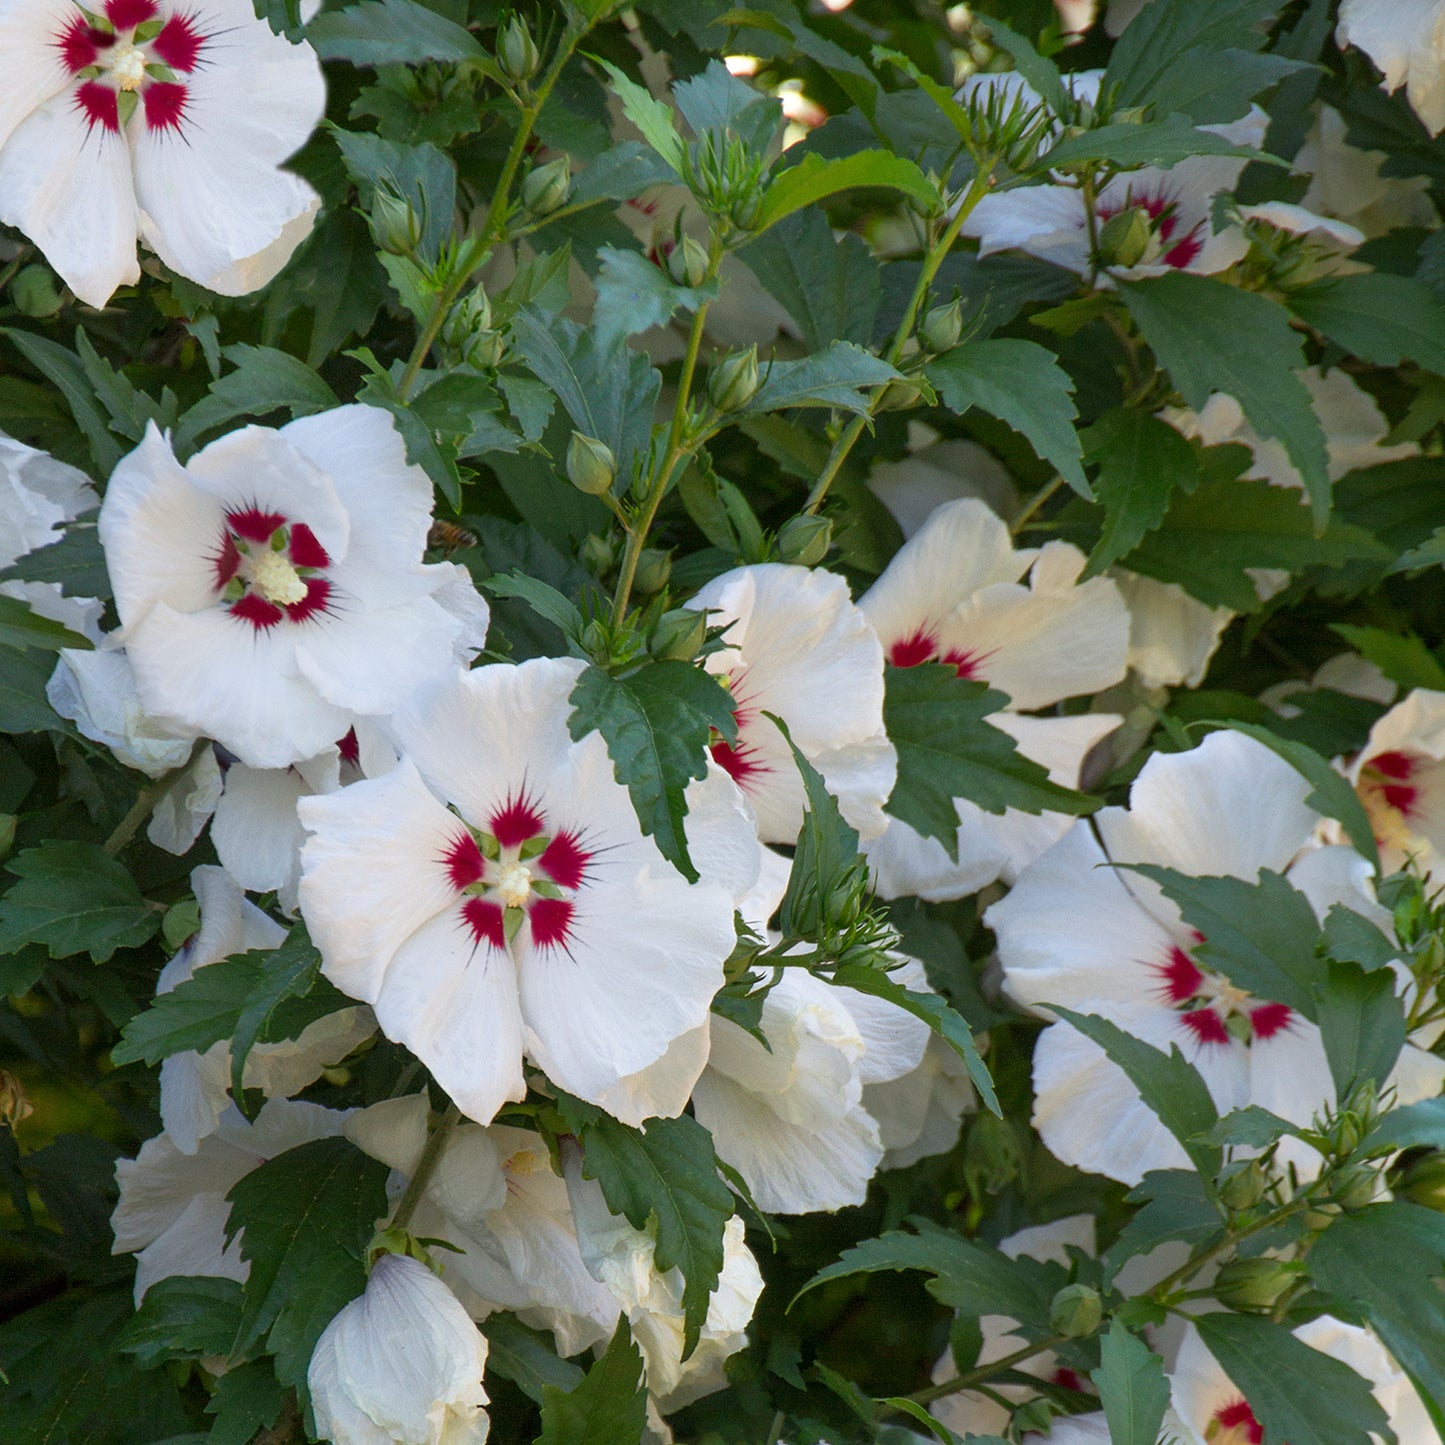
(515, 872)
(923, 646)
(1211, 1008)
(132, 53)
(1163, 214)
(267, 569)
(1234, 1424)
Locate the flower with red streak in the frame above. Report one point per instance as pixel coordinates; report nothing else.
(798, 647)
(1400, 777)
(272, 589)
(494, 896)
(957, 592)
(1081, 931)
(162, 120)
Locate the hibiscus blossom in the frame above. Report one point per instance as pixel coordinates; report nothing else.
(154, 119)
(272, 589)
(1098, 939)
(532, 915)
(1400, 777)
(1406, 39)
(955, 593)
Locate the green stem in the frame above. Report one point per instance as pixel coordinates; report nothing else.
(430, 1157)
(1037, 501)
(147, 799)
(979, 1374)
(977, 190)
(495, 226)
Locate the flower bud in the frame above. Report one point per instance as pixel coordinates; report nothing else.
(471, 314)
(900, 395)
(34, 291)
(744, 214)
(1356, 1187)
(1255, 1284)
(591, 467)
(1242, 1184)
(1076, 1311)
(394, 224)
(654, 567)
(734, 380)
(14, 1104)
(548, 187)
(678, 635)
(1423, 1182)
(687, 262)
(516, 50)
(805, 540)
(1320, 1216)
(942, 328)
(597, 553)
(1125, 238)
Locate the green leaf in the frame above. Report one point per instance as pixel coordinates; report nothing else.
(21, 628)
(1409, 1127)
(663, 1180)
(1132, 1388)
(265, 380)
(839, 376)
(1209, 540)
(390, 32)
(1142, 463)
(609, 1407)
(1168, 1083)
(1331, 794)
(717, 100)
(634, 294)
(618, 174)
(1022, 384)
(936, 1012)
(422, 175)
(1388, 1260)
(247, 1398)
(830, 285)
(1284, 1381)
(526, 1357)
(1218, 85)
(1162, 143)
(23, 704)
(63, 369)
(544, 599)
(308, 1215)
(656, 722)
(1259, 935)
(76, 562)
(1211, 337)
(1362, 1024)
(1177, 1204)
(947, 749)
(1352, 938)
(1379, 317)
(73, 898)
(651, 116)
(130, 409)
(1403, 659)
(813, 179)
(183, 1317)
(1251, 1126)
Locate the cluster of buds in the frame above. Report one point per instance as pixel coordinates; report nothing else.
(727, 178)
(468, 333)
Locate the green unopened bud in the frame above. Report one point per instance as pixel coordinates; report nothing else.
(1242, 1184)
(1423, 1182)
(548, 187)
(516, 50)
(1255, 1284)
(744, 214)
(1125, 238)
(900, 395)
(394, 224)
(1346, 1133)
(654, 567)
(805, 540)
(1356, 1187)
(596, 641)
(678, 635)
(591, 467)
(1321, 1216)
(597, 553)
(942, 328)
(471, 314)
(1076, 1311)
(734, 380)
(687, 262)
(34, 291)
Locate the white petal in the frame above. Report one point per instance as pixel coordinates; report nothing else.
(96, 690)
(193, 1093)
(947, 471)
(27, 35)
(256, 832)
(195, 1243)
(1171, 635)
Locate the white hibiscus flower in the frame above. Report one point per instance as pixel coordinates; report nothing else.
(1406, 40)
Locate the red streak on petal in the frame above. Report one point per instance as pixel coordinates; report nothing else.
(165, 103)
(318, 595)
(349, 748)
(254, 608)
(565, 861)
(515, 822)
(551, 920)
(1068, 1378)
(1206, 1026)
(1179, 256)
(966, 664)
(739, 763)
(305, 550)
(255, 525)
(910, 651)
(179, 43)
(485, 921)
(226, 561)
(126, 14)
(1179, 978)
(1269, 1019)
(99, 104)
(463, 861)
(1239, 1413)
(1401, 796)
(1393, 765)
(78, 44)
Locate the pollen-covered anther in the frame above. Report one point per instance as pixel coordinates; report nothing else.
(277, 580)
(129, 67)
(514, 885)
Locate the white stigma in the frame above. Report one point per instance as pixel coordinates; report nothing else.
(129, 67)
(276, 579)
(514, 884)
